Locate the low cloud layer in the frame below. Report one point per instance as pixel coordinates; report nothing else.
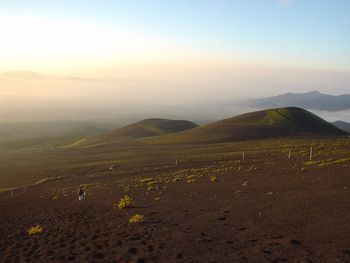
(194, 89)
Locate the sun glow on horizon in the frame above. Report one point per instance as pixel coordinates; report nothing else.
(49, 45)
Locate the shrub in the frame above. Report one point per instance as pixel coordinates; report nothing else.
(213, 179)
(35, 230)
(136, 219)
(126, 202)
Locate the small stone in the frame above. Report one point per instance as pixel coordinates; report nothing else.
(295, 242)
(179, 256)
(132, 251)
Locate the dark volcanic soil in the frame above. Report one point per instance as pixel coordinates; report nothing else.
(266, 208)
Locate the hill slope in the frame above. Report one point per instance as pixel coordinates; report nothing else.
(255, 125)
(345, 126)
(142, 129)
(310, 100)
(69, 137)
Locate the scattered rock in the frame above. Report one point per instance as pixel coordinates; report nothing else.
(295, 242)
(206, 240)
(179, 256)
(99, 255)
(132, 251)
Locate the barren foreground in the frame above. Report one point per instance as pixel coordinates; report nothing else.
(210, 207)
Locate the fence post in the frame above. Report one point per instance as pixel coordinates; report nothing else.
(243, 156)
(310, 153)
(289, 154)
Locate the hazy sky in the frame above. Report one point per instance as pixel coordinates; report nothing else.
(63, 36)
(172, 52)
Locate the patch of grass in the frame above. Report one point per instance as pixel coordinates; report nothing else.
(312, 162)
(191, 180)
(49, 179)
(253, 168)
(153, 187)
(328, 162)
(152, 183)
(5, 190)
(35, 230)
(146, 180)
(136, 219)
(339, 161)
(126, 202)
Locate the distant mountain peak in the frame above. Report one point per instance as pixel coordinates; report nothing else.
(142, 129)
(314, 92)
(345, 126)
(313, 100)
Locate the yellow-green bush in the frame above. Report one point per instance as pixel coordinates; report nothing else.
(126, 202)
(213, 179)
(35, 230)
(136, 219)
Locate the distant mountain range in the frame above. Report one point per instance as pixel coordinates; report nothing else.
(345, 126)
(313, 100)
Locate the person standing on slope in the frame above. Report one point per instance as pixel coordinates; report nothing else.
(81, 193)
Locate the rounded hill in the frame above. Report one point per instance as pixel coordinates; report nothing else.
(142, 129)
(270, 123)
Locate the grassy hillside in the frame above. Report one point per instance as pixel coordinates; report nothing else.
(20, 131)
(255, 125)
(71, 136)
(142, 129)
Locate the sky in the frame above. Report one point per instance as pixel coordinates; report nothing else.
(180, 52)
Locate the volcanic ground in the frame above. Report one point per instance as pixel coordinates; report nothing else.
(201, 203)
